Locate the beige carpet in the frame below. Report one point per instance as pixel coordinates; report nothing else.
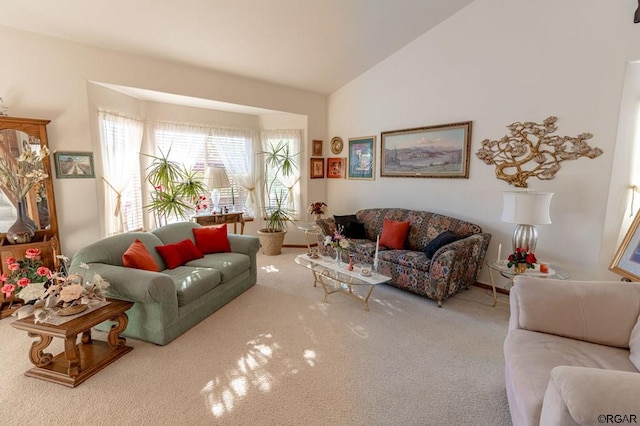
(277, 355)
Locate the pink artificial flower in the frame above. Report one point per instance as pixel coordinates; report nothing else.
(23, 282)
(3, 277)
(32, 254)
(14, 266)
(7, 289)
(71, 292)
(43, 271)
(10, 260)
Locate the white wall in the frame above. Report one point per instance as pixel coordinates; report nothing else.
(494, 63)
(47, 78)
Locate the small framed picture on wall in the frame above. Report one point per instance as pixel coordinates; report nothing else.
(317, 168)
(74, 165)
(362, 158)
(335, 167)
(316, 148)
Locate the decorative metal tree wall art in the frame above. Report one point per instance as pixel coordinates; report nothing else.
(530, 150)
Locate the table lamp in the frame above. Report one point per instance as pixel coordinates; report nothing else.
(527, 209)
(215, 178)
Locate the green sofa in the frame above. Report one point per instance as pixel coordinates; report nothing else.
(169, 302)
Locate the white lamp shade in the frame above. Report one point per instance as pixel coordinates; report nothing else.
(527, 208)
(216, 177)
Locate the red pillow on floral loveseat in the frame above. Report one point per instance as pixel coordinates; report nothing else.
(137, 256)
(177, 254)
(212, 239)
(394, 234)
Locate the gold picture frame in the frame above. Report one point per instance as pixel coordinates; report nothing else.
(440, 151)
(626, 261)
(316, 148)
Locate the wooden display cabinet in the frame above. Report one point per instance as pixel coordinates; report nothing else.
(15, 133)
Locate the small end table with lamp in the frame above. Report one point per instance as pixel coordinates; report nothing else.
(526, 209)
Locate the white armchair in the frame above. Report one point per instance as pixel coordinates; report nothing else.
(572, 352)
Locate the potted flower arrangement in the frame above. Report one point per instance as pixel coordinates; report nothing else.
(317, 208)
(23, 272)
(522, 260)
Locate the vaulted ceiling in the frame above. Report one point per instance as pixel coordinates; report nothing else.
(315, 45)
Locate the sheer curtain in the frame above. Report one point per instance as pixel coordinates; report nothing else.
(186, 141)
(121, 137)
(293, 137)
(240, 164)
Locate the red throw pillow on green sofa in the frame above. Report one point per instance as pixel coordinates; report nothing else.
(177, 254)
(212, 239)
(137, 256)
(394, 234)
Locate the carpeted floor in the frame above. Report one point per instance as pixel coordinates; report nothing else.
(277, 355)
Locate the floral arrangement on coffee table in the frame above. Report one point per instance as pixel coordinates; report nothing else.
(522, 256)
(337, 240)
(62, 293)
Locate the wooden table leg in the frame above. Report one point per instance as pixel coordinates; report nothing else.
(37, 356)
(114, 338)
(72, 354)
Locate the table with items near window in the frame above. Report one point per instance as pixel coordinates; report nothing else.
(500, 267)
(220, 218)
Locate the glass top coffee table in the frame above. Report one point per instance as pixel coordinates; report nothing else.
(336, 278)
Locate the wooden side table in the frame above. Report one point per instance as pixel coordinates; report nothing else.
(217, 219)
(79, 361)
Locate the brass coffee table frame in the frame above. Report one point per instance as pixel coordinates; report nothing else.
(79, 361)
(338, 279)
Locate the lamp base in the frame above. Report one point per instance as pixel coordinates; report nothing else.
(525, 236)
(215, 201)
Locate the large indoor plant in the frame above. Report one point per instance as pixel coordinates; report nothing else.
(279, 163)
(176, 189)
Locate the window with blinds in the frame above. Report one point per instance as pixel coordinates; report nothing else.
(198, 150)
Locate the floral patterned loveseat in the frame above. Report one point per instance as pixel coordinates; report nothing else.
(453, 267)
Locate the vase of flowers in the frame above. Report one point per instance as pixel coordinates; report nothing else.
(521, 260)
(317, 208)
(17, 178)
(339, 242)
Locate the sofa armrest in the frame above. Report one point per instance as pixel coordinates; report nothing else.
(582, 396)
(602, 312)
(246, 244)
(132, 284)
(457, 264)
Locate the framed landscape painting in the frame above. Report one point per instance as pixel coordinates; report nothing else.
(626, 261)
(440, 151)
(74, 165)
(362, 158)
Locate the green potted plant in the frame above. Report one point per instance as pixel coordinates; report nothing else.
(278, 162)
(176, 189)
